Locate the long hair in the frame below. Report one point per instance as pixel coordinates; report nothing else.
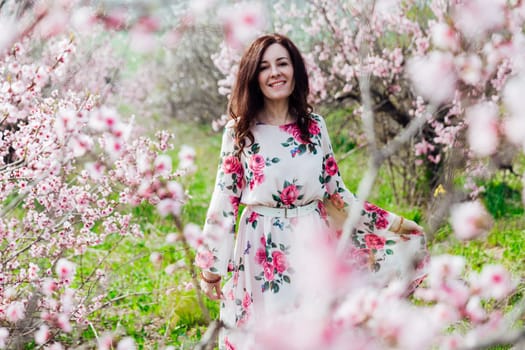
(247, 99)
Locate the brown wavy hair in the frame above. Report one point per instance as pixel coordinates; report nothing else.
(247, 99)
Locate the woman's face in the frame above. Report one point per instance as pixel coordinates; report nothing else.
(276, 78)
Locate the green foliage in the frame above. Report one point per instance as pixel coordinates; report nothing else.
(502, 199)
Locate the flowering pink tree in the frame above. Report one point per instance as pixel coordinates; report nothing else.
(71, 167)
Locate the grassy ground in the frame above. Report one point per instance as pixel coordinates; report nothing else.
(157, 310)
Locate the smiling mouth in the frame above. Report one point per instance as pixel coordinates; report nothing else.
(277, 83)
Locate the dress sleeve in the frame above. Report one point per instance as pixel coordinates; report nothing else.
(219, 229)
(372, 217)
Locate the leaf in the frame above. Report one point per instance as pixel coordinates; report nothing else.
(258, 278)
(238, 302)
(254, 224)
(275, 287)
(286, 183)
(302, 148)
(255, 148)
(265, 286)
(241, 267)
(286, 279)
(327, 179)
(213, 269)
(282, 247)
(275, 160)
(290, 139)
(389, 251)
(276, 197)
(390, 242)
(284, 144)
(321, 179)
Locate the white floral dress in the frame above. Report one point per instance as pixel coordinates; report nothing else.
(281, 170)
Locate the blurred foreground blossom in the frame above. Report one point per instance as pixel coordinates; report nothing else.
(434, 76)
(242, 22)
(65, 269)
(470, 220)
(483, 128)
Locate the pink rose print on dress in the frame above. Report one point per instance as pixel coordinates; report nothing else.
(274, 264)
(268, 271)
(256, 163)
(260, 256)
(378, 217)
(234, 201)
(374, 241)
(247, 300)
(313, 128)
(293, 129)
(253, 219)
(297, 144)
(279, 261)
(331, 166)
(289, 194)
(231, 165)
(229, 346)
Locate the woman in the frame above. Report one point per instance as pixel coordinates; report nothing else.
(277, 160)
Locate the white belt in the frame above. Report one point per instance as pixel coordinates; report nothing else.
(285, 212)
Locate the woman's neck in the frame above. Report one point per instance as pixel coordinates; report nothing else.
(275, 113)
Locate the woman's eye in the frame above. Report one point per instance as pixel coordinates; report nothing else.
(282, 64)
(261, 68)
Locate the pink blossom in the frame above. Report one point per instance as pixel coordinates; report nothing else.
(475, 18)
(105, 342)
(8, 34)
(15, 311)
(474, 310)
(242, 22)
(445, 267)
(169, 206)
(434, 76)
(127, 343)
(470, 68)
(54, 23)
(162, 165)
(63, 323)
(470, 220)
(193, 235)
(156, 258)
(483, 128)
(494, 281)
(513, 99)
(65, 269)
(445, 37)
(204, 259)
(187, 158)
(172, 238)
(49, 286)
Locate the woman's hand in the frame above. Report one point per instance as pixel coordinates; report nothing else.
(404, 226)
(211, 285)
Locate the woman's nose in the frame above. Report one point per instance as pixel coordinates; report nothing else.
(275, 70)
